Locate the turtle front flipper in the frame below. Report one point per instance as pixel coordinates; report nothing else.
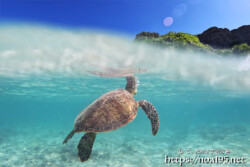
(85, 146)
(152, 114)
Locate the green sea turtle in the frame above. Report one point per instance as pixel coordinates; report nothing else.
(109, 112)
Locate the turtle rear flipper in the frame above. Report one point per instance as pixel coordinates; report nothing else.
(152, 114)
(85, 146)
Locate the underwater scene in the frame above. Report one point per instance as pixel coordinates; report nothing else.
(202, 101)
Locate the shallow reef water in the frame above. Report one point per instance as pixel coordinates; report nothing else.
(202, 101)
(36, 117)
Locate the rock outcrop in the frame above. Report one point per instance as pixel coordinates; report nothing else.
(144, 35)
(241, 35)
(224, 38)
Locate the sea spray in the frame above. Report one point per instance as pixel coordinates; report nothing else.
(28, 50)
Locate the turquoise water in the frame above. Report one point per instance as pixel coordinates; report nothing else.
(37, 114)
(202, 100)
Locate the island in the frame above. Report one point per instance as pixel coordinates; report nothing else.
(214, 40)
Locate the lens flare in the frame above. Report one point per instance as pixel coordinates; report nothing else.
(180, 10)
(168, 21)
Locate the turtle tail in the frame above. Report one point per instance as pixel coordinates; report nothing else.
(152, 114)
(70, 135)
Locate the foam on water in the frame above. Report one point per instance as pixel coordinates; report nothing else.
(26, 50)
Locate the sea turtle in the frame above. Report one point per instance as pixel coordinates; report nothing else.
(109, 112)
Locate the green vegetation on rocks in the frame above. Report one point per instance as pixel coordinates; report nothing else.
(242, 48)
(177, 40)
(188, 42)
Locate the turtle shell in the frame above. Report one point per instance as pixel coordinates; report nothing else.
(109, 112)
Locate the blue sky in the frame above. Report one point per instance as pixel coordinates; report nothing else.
(129, 16)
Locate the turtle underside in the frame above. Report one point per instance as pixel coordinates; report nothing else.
(109, 112)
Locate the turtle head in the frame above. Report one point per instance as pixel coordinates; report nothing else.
(131, 86)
